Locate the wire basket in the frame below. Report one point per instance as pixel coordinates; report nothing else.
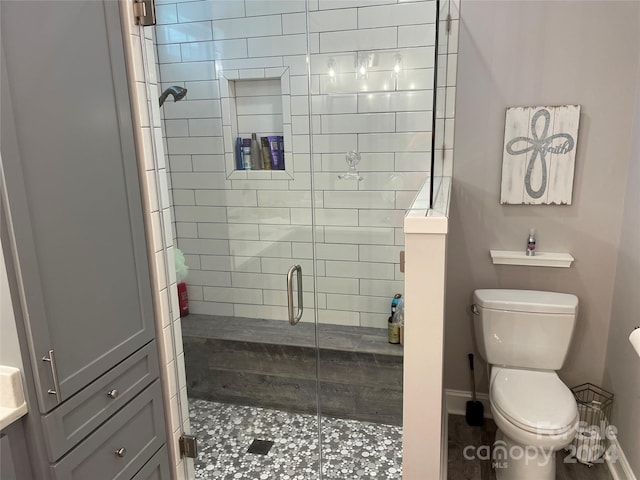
(594, 408)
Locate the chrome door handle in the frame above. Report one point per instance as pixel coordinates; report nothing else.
(293, 320)
(51, 360)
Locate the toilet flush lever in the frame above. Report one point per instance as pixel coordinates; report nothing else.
(474, 309)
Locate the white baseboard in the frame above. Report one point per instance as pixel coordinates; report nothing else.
(456, 402)
(620, 468)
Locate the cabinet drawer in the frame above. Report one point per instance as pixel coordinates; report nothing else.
(15, 462)
(157, 468)
(120, 447)
(76, 418)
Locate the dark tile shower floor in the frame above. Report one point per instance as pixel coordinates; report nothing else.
(352, 449)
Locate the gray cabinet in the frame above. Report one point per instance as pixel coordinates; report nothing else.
(72, 421)
(157, 468)
(71, 210)
(73, 191)
(14, 459)
(121, 446)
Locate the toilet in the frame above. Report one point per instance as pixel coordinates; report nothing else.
(524, 336)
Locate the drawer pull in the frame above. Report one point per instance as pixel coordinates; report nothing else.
(113, 393)
(121, 452)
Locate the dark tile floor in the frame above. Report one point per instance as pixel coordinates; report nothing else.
(459, 468)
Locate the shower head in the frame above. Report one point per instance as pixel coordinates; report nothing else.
(177, 92)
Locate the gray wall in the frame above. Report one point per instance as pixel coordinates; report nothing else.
(9, 347)
(622, 367)
(541, 53)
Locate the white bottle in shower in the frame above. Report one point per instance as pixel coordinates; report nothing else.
(531, 243)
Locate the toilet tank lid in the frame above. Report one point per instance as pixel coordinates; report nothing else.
(533, 301)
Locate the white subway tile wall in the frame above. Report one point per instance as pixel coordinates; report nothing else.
(370, 90)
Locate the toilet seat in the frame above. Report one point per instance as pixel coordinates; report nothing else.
(535, 401)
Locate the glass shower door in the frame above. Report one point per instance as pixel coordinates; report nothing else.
(372, 107)
(240, 184)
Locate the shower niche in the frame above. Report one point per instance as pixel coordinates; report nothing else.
(257, 102)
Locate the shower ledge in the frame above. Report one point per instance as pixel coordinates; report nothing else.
(540, 259)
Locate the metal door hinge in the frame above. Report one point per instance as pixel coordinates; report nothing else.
(401, 261)
(145, 12)
(188, 446)
(449, 23)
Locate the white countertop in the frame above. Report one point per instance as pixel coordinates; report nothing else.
(12, 403)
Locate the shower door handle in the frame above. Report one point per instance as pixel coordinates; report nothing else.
(293, 320)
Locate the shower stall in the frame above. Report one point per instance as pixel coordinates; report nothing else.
(295, 256)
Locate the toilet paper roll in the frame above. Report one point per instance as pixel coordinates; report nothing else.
(588, 444)
(634, 338)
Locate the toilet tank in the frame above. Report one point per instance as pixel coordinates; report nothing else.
(524, 328)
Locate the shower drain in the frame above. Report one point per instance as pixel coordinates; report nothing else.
(260, 447)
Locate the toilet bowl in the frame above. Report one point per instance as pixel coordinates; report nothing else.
(524, 335)
(536, 415)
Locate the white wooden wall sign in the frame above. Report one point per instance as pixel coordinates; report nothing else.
(539, 154)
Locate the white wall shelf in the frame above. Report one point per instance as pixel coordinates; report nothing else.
(540, 259)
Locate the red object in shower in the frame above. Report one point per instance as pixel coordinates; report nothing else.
(183, 299)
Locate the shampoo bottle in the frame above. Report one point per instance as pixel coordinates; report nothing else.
(399, 319)
(239, 161)
(266, 154)
(256, 152)
(393, 328)
(246, 154)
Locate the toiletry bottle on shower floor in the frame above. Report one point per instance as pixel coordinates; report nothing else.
(393, 327)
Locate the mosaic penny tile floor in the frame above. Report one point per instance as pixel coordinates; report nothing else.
(351, 449)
